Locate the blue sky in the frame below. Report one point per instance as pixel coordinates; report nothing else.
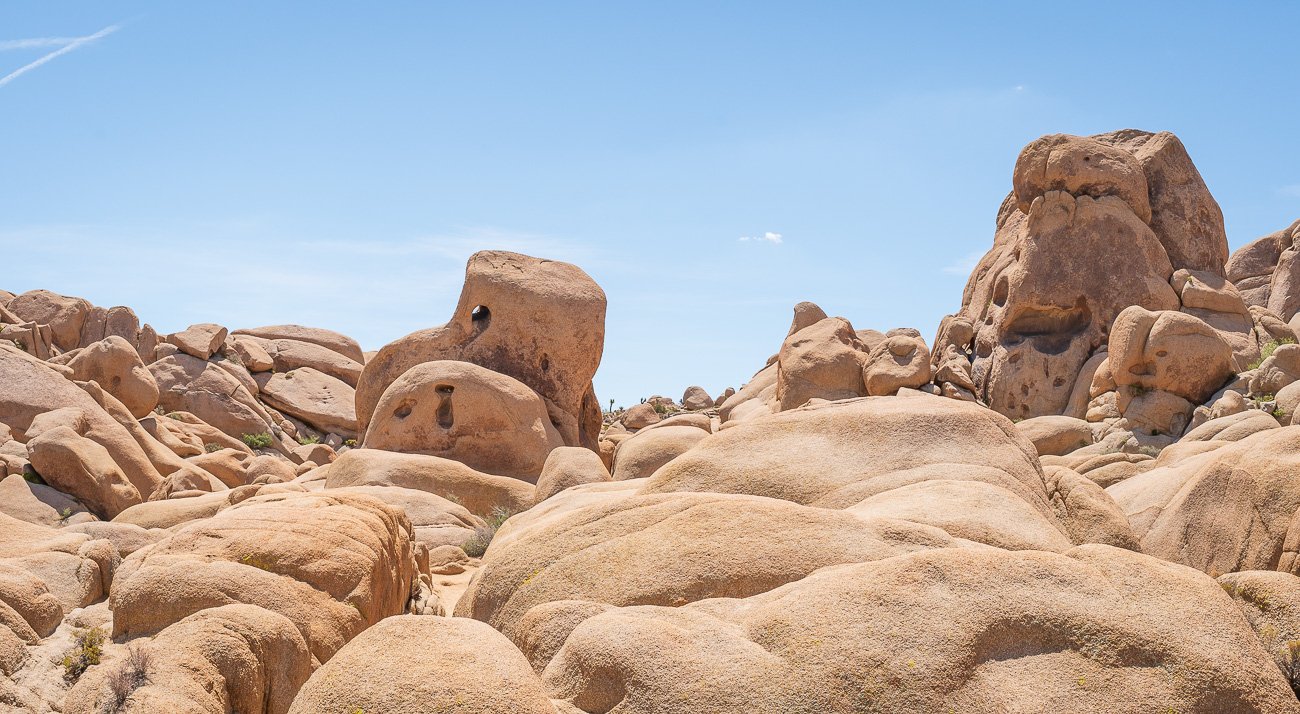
(334, 164)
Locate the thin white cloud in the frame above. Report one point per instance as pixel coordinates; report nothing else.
(767, 237)
(34, 42)
(1293, 190)
(964, 266)
(73, 44)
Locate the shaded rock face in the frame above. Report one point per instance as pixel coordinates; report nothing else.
(1267, 271)
(1094, 225)
(539, 321)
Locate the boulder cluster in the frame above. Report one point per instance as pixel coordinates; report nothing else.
(1080, 496)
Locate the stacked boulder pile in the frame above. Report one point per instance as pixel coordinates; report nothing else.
(1081, 496)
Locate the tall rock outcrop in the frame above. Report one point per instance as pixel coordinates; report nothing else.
(539, 321)
(1094, 225)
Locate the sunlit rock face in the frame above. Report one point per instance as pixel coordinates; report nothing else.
(539, 321)
(1093, 225)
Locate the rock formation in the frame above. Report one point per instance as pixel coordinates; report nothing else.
(1080, 497)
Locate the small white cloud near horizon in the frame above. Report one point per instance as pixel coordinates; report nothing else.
(767, 237)
(1293, 190)
(963, 266)
(68, 44)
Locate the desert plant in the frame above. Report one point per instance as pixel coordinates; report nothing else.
(258, 441)
(306, 440)
(1291, 665)
(31, 476)
(350, 443)
(478, 543)
(87, 646)
(454, 499)
(65, 514)
(132, 674)
(1267, 350)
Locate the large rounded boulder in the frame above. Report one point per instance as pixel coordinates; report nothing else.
(461, 411)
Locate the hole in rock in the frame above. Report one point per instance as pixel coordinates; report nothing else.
(403, 410)
(1000, 290)
(481, 317)
(444, 415)
(1051, 328)
(546, 363)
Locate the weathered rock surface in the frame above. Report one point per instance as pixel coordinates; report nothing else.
(566, 466)
(333, 341)
(201, 341)
(1071, 624)
(201, 388)
(477, 491)
(1230, 509)
(1094, 225)
(115, 365)
(320, 400)
(541, 322)
(821, 361)
(643, 453)
(332, 564)
(460, 411)
(388, 669)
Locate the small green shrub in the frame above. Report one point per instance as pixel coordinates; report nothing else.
(1267, 351)
(478, 543)
(30, 475)
(350, 443)
(212, 447)
(258, 441)
(307, 440)
(173, 415)
(87, 647)
(65, 514)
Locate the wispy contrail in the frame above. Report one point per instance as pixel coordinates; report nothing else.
(73, 43)
(35, 42)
